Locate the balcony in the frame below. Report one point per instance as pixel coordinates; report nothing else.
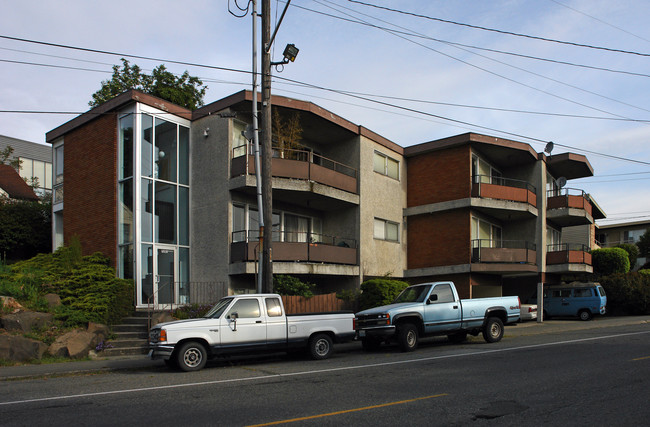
(295, 247)
(569, 206)
(508, 189)
(568, 258)
(503, 256)
(298, 164)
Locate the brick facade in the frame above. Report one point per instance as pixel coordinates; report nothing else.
(90, 186)
(439, 176)
(439, 239)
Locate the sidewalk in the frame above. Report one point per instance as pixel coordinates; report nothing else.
(142, 362)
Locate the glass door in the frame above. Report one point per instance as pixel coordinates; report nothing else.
(166, 276)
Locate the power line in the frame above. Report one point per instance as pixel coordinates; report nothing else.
(508, 65)
(502, 52)
(417, 15)
(365, 98)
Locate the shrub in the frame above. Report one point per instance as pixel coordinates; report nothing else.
(627, 294)
(632, 252)
(377, 292)
(191, 311)
(608, 261)
(289, 285)
(88, 288)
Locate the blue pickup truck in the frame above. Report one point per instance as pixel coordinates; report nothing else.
(431, 309)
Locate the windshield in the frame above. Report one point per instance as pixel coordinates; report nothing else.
(218, 309)
(413, 294)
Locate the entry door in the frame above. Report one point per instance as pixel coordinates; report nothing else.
(166, 276)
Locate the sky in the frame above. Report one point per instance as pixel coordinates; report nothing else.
(575, 72)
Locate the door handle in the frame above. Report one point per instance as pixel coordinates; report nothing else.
(456, 307)
(258, 321)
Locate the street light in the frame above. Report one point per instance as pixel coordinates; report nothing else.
(290, 53)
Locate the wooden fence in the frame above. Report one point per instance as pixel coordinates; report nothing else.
(315, 304)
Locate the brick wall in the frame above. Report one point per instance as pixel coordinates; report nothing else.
(90, 186)
(439, 176)
(439, 239)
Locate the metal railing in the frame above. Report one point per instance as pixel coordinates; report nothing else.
(564, 247)
(505, 182)
(503, 251)
(295, 237)
(566, 192)
(301, 156)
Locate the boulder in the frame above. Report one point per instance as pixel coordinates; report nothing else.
(53, 300)
(9, 304)
(20, 349)
(75, 344)
(101, 331)
(26, 321)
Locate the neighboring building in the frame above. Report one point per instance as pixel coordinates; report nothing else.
(36, 161)
(13, 186)
(170, 196)
(611, 235)
(489, 213)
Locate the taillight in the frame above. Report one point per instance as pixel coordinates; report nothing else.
(354, 324)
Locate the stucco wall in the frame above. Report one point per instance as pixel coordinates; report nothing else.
(385, 198)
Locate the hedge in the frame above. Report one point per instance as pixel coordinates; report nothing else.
(608, 261)
(627, 294)
(378, 292)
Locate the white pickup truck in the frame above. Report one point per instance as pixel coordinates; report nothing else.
(249, 323)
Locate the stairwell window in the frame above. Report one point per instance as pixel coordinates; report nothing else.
(386, 230)
(385, 165)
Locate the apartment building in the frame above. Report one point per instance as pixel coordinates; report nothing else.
(170, 196)
(611, 235)
(35, 162)
(488, 213)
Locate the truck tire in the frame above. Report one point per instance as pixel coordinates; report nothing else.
(407, 336)
(191, 356)
(584, 315)
(457, 337)
(493, 330)
(320, 346)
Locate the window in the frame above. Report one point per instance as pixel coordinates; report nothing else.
(632, 236)
(273, 308)
(553, 239)
(386, 230)
(483, 172)
(485, 234)
(245, 308)
(385, 165)
(582, 293)
(58, 174)
(238, 140)
(444, 293)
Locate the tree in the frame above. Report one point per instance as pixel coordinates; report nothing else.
(632, 252)
(644, 244)
(6, 154)
(186, 91)
(25, 228)
(608, 261)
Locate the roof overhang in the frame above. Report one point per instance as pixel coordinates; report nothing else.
(569, 165)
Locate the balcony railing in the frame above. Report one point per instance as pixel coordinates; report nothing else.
(295, 247)
(493, 187)
(568, 198)
(503, 251)
(568, 253)
(299, 164)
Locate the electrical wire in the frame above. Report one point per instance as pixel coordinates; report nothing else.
(313, 86)
(417, 15)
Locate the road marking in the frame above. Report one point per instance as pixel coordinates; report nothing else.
(365, 408)
(319, 371)
(641, 358)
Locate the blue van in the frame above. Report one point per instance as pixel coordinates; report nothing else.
(575, 299)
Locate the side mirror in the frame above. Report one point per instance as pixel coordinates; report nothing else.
(233, 317)
(433, 298)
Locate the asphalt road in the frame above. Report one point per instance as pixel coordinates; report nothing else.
(584, 377)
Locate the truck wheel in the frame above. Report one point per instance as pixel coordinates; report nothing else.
(407, 335)
(584, 315)
(458, 337)
(320, 346)
(493, 330)
(191, 356)
(370, 344)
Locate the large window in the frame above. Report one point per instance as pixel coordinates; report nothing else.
(483, 172)
(126, 223)
(238, 140)
(485, 234)
(386, 230)
(385, 165)
(553, 239)
(58, 174)
(287, 227)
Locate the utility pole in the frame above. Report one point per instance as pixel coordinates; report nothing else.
(266, 238)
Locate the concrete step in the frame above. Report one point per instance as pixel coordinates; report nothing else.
(129, 327)
(124, 351)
